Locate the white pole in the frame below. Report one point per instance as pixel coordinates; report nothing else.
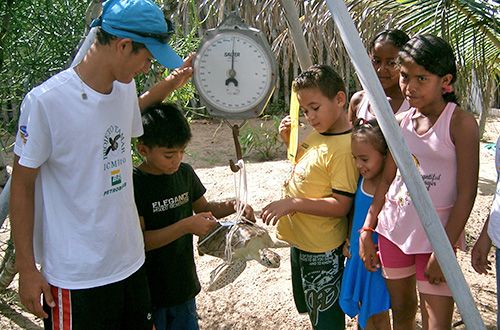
(4, 202)
(413, 180)
(297, 34)
(89, 40)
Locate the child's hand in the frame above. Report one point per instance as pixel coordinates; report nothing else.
(248, 213)
(433, 272)
(180, 76)
(346, 249)
(200, 224)
(479, 255)
(272, 212)
(368, 251)
(285, 128)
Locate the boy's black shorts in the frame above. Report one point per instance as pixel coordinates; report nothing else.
(316, 282)
(122, 305)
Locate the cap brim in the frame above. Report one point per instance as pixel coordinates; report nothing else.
(165, 55)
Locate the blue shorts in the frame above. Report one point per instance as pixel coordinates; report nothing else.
(182, 316)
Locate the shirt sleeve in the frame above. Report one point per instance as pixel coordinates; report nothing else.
(138, 194)
(198, 189)
(344, 175)
(22, 133)
(137, 129)
(33, 141)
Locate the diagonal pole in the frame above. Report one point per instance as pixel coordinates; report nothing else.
(4, 202)
(297, 34)
(413, 180)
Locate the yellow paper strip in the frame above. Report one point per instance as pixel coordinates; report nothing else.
(294, 129)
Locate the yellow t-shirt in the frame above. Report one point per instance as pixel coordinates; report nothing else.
(326, 165)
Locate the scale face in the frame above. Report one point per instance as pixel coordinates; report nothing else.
(234, 70)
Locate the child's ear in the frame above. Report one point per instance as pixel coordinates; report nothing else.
(123, 45)
(446, 80)
(341, 99)
(142, 149)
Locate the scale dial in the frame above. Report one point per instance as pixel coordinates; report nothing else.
(234, 72)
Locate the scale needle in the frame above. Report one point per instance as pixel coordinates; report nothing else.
(232, 73)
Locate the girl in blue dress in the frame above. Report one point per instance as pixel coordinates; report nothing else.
(364, 293)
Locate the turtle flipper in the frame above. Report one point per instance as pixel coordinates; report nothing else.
(277, 243)
(225, 274)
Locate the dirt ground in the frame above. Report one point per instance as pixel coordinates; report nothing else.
(261, 298)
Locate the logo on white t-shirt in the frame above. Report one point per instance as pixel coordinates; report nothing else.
(23, 133)
(113, 154)
(114, 143)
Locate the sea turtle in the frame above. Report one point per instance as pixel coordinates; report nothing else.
(248, 242)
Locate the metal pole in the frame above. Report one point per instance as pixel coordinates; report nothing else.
(420, 197)
(4, 202)
(89, 40)
(299, 41)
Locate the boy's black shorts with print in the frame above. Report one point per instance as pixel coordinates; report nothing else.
(316, 281)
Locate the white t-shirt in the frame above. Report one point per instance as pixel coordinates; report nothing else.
(494, 223)
(90, 229)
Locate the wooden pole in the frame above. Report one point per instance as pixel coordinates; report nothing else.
(413, 180)
(296, 31)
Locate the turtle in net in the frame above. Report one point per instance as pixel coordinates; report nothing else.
(247, 241)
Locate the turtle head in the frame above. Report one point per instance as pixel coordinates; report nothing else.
(269, 258)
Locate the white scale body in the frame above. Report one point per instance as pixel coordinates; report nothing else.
(234, 70)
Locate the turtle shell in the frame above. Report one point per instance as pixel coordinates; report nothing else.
(246, 236)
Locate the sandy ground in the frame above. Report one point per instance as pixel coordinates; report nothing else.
(261, 298)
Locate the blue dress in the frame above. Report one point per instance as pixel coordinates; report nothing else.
(363, 292)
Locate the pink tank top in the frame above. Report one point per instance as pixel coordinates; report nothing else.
(435, 158)
(365, 112)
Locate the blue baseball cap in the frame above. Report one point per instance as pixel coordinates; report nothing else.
(143, 22)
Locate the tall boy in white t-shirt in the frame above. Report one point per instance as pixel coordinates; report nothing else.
(73, 149)
(490, 235)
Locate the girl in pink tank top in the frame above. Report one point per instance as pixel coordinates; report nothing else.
(383, 51)
(444, 142)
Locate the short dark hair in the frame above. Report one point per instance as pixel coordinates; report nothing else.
(164, 126)
(369, 131)
(322, 77)
(396, 37)
(104, 38)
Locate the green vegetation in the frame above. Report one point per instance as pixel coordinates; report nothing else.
(261, 138)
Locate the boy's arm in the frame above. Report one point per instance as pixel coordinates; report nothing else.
(337, 205)
(198, 224)
(347, 243)
(284, 130)
(220, 209)
(176, 79)
(479, 254)
(22, 203)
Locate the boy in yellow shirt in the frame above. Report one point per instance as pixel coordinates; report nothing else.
(317, 197)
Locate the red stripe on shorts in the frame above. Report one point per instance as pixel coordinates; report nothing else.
(61, 313)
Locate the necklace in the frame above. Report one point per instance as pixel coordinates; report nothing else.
(84, 95)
